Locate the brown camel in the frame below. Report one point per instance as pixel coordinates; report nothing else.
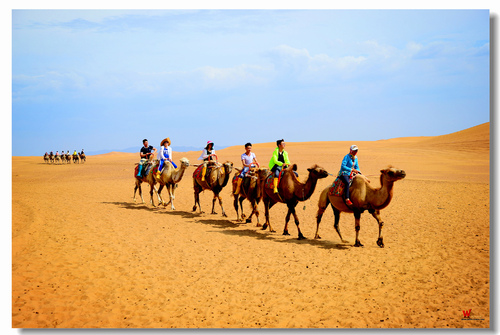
(364, 197)
(51, 158)
(290, 192)
(57, 159)
(68, 158)
(216, 179)
(251, 189)
(46, 158)
(169, 178)
(76, 159)
(145, 179)
(83, 159)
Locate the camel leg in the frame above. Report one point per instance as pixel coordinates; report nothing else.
(138, 186)
(336, 212)
(235, 204)
(213, 204)
(357, 219)
(322, 206)
(171, 193)
(220, 203)
(151, 194)
(376, 215)
(267, 206)
(160, 199)
(287, 218)
(197, 191)
(243, 214)
(296, 218)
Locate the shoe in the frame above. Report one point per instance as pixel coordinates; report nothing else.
(348, 202)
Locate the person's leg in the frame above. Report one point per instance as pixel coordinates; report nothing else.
(345, 180)
(276, 169)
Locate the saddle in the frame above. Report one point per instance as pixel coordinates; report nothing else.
(337, 188)
(148, 167)
(210, 166)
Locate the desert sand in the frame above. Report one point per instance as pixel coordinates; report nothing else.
(84, 255)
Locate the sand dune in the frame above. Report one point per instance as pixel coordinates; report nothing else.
(85, 255)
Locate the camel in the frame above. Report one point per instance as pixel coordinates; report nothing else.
(170, 177)
(51, 158)
(57, 159)
(83, 159)
(63, 158)
(76, 159)
(290, 192)
(251, 189)
(46, 158)
(68, 158)
(145, 179)
(216, 179)
(364, 197)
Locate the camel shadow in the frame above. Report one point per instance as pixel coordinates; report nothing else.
(259, 234)
(184, 214)
(136, 206)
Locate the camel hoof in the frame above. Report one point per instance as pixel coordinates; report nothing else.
(258, 225)
(302, 237)
(285, 232)
(317, 237)
(194, 208)
(249, 221)
(213, 213)
(224, 215)
(380, 242)
(358, 244)
(264, 227)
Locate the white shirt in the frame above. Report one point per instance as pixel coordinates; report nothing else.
(164, 152)
(248, 159)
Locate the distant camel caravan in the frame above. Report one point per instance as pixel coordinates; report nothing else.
(169, 178)
(252, 190)
(290, 192)
(364, 197)
(216, 178)
(63, 158)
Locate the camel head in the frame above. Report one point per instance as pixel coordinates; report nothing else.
(392, 174)
(228, 166)
(262, 174)
(184, 162)
(318, 172)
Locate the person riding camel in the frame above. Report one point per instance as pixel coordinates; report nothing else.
(349, 165)
(249, 160)
(278, 161)
(164, 155)
(207, 155)
(147, 151)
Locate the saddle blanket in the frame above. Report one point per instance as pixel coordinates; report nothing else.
(197, 172)
(337, 188)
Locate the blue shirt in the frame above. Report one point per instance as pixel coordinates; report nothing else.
(348, 164)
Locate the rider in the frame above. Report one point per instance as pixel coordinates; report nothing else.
(207, 155)
(278, 161)
(349, 164)
(247, 159)
(146, 152)
(165, 154)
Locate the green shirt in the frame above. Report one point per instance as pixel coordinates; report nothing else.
(274, 160)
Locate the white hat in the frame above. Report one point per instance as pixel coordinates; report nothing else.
(354, 148)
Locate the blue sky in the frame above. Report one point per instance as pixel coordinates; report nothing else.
(106, 79)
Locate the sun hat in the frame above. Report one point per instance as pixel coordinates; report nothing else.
(354, 148)
(165, 140)
(208, 143)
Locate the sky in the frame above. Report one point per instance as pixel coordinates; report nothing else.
(106, 79)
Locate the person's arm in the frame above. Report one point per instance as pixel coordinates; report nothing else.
(285, 155)
(255, 160)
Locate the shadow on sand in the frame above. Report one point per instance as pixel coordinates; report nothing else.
(226, 224)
